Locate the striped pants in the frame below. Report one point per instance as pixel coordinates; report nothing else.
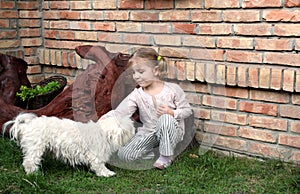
(164, 138)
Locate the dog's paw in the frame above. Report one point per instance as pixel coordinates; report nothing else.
(105, 173)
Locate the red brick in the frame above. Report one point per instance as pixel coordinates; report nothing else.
(287, 29)
(219, 102)
(51, 34)
(276, 75)
(180, 66)
(71, 15)
(174, 52)
(200, 71)
(207, 16)
(291, 111)
(221, 74)
(51, 15)
(30, 14)
(225, 142)
(268, 122)
(4, 23)
(139, 39)
(289, 140)
(282, 15)
(31, 41)
(232, 92)
(296, 98)
(210, 73)
(296, 157)
(80, 5)
(190, 71)
(253, 29)
(166, 4)
(257, 107)
(193, 98)
(59, 24)
(243, 56)
(264, 77)
(207, 54)
(171, 70)
(116, 15)
(269, 96)
(29, 23)
(257, 134)
(231, 73)
(128, 27)
(76, 25)
(215, 29)
(174, 15)
(282, 58)
(295, 126)
(242, 76)
(288, 80)
(110, 37)
(8, 5)
(241, 16)
(144, 16)
(8, 34)
(297, 84)
(221, 4)
(104, 26)
(202, 113)
(262, 3)
(157, 27)
(128, 4)
(273, 44)
(184, 28)
(234, 42)
(87, 36)
(189, 4)
(29, 32)
(59, 4)
(253, 77)
(202, 88)
(104, 4)
(229, 117)
(292, 3)
(167, 40)
(199, 41)
(220, 128)
(69, 35)
(268, 150)
(9, 14)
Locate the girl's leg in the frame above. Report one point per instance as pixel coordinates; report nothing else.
(138, 147)
(168, 134)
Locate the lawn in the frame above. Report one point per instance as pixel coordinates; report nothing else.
(190, 173)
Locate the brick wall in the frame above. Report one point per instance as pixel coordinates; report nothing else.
(237, 60)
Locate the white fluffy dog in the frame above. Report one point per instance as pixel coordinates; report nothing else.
(74, 142)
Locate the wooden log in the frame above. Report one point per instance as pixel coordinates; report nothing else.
(90, 95)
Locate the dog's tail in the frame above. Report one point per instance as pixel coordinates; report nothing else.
(14, 131)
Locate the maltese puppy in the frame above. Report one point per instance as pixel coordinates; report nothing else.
(76, 143)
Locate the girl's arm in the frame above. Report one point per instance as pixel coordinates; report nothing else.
(126, 108)
(183, 108)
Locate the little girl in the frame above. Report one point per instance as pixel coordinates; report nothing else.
(162, 108)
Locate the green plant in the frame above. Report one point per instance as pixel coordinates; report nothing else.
(26, 93)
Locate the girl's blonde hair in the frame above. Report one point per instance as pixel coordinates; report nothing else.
(151, 56)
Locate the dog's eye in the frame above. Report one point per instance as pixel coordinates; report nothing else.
(22, 121)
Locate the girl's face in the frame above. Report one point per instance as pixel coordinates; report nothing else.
(144, 73)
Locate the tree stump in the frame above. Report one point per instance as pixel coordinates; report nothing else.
(88, 98)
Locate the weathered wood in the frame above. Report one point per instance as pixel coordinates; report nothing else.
(88, 98)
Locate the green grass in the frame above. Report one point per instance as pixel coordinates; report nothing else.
(208, 173)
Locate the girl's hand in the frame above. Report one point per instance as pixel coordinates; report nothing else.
(163, 109)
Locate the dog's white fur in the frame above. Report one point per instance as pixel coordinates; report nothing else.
(74, 142)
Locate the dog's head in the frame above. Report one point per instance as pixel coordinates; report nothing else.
(118, 130)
